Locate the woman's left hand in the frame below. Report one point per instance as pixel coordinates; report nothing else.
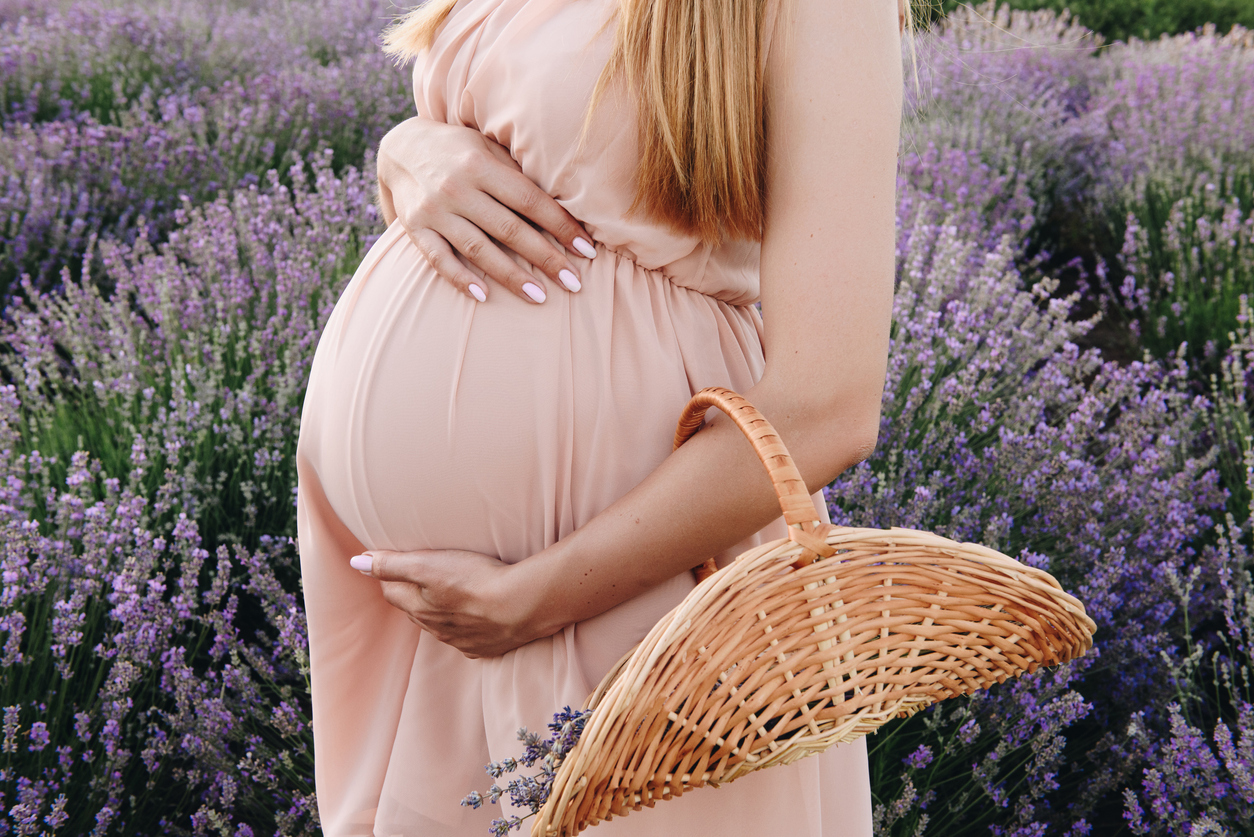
(464, 599)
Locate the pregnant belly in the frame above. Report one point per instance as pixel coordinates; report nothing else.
(436, 422)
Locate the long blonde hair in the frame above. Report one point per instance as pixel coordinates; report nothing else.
(697, 67)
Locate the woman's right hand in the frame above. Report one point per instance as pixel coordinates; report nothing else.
(455, 189)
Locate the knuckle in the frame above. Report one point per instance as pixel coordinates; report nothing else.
(418, 211)
(468, 161)
(511, 229)
(412, 217)
(474, 248)
(552, 263)
(439, 261)
(424, 245)
(531, 201)
(448, 187)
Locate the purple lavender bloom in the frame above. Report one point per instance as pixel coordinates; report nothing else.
(148, 414)
(39, 737)
(202, 655)
(920, 758)
(113, 116)
(529, 793)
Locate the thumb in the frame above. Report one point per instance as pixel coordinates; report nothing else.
(386, 565)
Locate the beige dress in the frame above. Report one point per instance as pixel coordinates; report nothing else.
(432, 421)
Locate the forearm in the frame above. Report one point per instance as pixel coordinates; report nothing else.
(708, 496)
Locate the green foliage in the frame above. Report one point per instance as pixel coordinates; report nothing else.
(113, 112)
(1234, 400)
(953, 768)
(154, 660)
(194, 366)
(1190, 265)
(137, 708)
(1119, 20)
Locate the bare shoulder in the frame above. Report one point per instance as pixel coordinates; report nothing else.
(833, 61)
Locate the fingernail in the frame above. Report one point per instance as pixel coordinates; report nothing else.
(570, 280)
(477, 293)
(585, 249)
(533, 291)
(363, 563)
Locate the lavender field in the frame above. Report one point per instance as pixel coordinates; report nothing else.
(188, 186)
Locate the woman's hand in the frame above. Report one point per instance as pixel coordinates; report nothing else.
(470, 601)
(452, 188)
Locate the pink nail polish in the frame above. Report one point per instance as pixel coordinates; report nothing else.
(585, 249)
(361, 563)
(533, 291)
(570, 280)
(477, 293)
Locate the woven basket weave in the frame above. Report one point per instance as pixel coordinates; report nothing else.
(800, 644)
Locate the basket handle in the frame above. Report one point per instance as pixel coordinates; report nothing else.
(804, 525)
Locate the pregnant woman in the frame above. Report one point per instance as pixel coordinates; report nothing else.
(490, 512)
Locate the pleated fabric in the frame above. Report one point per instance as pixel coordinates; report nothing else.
(432, 422)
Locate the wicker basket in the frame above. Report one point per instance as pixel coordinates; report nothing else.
(800, 644)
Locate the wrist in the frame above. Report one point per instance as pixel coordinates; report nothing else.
(401, 132)
(533, 587)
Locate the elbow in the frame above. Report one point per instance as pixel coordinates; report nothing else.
(844, 436)
(854, 442)
(827, 446)
(826, 429)
(862, 443)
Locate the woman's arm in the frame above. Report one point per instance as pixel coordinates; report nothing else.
(827, 284)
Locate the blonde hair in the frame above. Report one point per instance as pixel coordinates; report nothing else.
(697, 67)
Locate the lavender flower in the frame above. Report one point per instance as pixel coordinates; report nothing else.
(154, 659)
(113, 114)
(187, 211)
(920, 758)
(531, 792)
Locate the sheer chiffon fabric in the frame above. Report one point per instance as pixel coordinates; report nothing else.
(432, 422)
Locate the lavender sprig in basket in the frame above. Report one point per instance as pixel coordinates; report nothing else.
(531, 792)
